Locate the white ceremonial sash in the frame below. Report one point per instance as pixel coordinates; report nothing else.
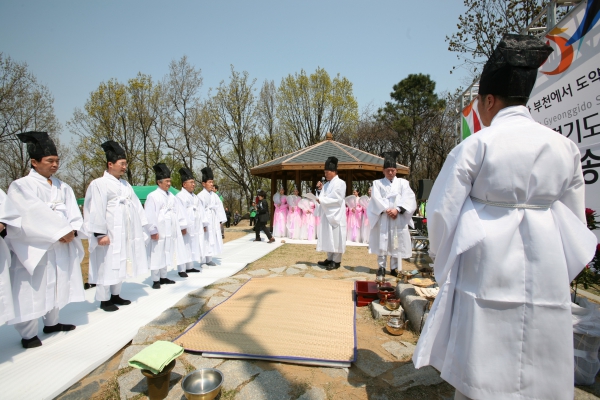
(390, 196)
(120, 202)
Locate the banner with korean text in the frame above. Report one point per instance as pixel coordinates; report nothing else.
(566, 96)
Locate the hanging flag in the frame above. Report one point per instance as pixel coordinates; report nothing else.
(470, 120)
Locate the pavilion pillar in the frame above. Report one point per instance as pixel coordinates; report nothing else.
(273, 191)
(297, 180)
(349, 183)
(284, 183)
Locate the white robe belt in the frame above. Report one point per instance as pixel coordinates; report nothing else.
(508, 205)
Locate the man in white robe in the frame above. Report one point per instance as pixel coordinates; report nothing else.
(220, 209)
(193, 210)
(46, 256)
(9, 215)
(167, 226)
(114, 221)
(331, 231)
(507, 232)
(390, 213)
(213, 241)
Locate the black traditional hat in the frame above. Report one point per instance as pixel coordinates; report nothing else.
(185, 174)
(207, 174)
(114, 151)
(331, 164)
(511, 71)
(39, 144)
(162, 171)
(389, 159)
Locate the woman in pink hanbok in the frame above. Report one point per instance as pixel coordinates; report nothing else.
(364, 226)
(308, 230)
(280, 215)
(353, 229)
(294, 219)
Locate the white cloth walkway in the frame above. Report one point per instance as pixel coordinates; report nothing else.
(66, 357)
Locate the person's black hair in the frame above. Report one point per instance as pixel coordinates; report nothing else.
(509, 101)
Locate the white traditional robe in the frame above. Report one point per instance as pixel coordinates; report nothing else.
(501, 327)
(165, 218)
(45, 274)
(9, 215)
(390, 237)
(213, 241)
(111, 207)
(194, 212)
(331, 231)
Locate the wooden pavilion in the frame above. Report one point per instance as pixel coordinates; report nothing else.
(306, 165)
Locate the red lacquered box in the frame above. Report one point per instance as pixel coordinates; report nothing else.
(366, 292)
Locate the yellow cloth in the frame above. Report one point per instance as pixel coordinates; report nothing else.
(156, 356)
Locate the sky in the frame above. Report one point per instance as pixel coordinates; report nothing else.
(73, 46)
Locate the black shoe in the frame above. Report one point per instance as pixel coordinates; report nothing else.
(271, 240)
(183, 274)
(156, 285)
(381, 272)
(222, 236)
(116, 299)
(108, 306)
(191, 270)
(333, 265)
(59, 328)
(257, 240)
(394, 273)
(324, 263)
(166, 281)
(31, 343)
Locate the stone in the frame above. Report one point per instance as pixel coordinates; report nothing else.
(237, 372)
(405, 289)
(273, 276)
(314, 393)
(187, 301)
(300, 266)
(200, 362)
(364, 270)
(128, 353)
(318, 268)
(408, 376)
(379, 396)
(401, 350)
(192, 311)
(277, 270)
(415, 309)
(225, 293)
(215, 301)
(85, 392)
(292, 271)
(146, 334)
(371, 364)
(242, 276)
(259, 272)
(309, 276)
(169, 317)
(269, 385)
(379, 311)
(134, 382)
(203, 292)
(335, 372)
(224, 281)
(355, 379)
(231, 288)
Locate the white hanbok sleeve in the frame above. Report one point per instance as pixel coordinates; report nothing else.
(9, 215)
(94, 207)
(151, 209)
(73, 212)
(377, 204)
(181, 213)
(408, 202)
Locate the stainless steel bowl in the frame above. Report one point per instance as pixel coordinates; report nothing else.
(202, 384)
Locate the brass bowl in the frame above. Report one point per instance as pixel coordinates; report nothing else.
(392, 303)
(202, 384)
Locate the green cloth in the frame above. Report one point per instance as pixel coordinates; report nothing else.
(252, 212)
(141, 192)
(156, 356)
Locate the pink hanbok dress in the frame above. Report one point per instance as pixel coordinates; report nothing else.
(365, 228)
(280, 215)
(294, 219)
(308, 230)
(354, 223)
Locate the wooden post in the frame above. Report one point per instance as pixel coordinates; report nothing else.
(297, 180)
(349, 183)
(273, 190)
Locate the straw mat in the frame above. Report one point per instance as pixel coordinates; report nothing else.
(285, 318)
